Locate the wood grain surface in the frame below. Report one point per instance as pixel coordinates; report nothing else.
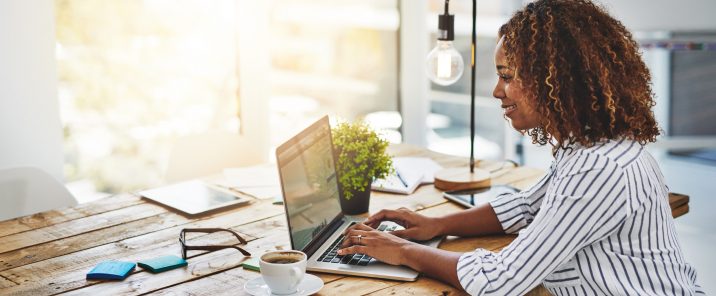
(5, 283)
(50, 253)
(53, 217)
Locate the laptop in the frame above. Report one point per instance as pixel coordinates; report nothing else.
(311, 192)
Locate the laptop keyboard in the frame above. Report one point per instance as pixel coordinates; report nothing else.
(331, 254)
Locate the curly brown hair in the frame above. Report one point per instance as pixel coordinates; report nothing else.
(585, 72)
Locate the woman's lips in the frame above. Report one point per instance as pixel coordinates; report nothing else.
(509, 108)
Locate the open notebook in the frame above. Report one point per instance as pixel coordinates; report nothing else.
(410, 172)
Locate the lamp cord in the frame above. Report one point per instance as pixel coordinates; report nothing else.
(472, 88)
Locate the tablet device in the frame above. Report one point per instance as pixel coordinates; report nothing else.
(470, 198)
(193, 197)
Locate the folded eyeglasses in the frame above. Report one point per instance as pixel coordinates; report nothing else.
(209, 248)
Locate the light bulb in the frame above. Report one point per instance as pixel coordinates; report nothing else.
(444, 63)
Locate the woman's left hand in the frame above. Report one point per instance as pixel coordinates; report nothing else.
(380, 245)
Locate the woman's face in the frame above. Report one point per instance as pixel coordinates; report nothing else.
(515, 103)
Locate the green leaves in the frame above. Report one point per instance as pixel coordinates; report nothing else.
(361, 156)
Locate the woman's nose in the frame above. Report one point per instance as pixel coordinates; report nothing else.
(498, 92)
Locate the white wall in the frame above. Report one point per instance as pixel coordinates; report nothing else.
(414, 85)
(30, 128)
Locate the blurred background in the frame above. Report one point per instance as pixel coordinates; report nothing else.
(113, 96)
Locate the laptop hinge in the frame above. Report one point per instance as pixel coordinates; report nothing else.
(326, 233)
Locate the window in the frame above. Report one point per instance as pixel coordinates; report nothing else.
(136, 74)
(449, 121)
(693, 96)
(681, 65)
(331, 57)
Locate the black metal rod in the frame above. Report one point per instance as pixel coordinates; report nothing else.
(472, 88)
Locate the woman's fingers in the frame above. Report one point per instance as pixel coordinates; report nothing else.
(359, 226)
(356, 249)
(403, 233)
(397, 216)
(375, 220)
(355, 237)
(362, 226)
(379, 245)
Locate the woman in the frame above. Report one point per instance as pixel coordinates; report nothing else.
(599, 222)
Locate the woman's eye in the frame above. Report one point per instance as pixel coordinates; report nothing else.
(505, 77)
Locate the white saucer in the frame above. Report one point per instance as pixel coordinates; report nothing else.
(309, 285)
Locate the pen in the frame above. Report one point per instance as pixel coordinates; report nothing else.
(401, 178)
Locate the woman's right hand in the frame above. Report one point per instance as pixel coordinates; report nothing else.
(417, 227)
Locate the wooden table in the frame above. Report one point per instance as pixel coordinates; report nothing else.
(50, 252)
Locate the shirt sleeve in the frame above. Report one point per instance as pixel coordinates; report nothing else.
(581, 207)
(516, 211)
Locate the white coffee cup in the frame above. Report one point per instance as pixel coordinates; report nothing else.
(282, 271)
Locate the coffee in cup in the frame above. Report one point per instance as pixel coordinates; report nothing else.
(283, 260)
(282, 271)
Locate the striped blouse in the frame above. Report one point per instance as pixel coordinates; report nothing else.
(599, 223)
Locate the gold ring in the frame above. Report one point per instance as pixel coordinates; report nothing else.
(360, 237)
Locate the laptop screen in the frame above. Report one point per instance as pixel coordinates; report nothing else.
(309, 182)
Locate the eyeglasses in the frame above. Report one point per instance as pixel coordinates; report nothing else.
(185, 247)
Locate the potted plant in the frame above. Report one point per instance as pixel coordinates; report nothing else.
(361, 157)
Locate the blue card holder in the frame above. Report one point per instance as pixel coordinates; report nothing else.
(111, 270)
(161, 264)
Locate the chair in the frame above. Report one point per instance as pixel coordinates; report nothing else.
(209, 153)
(29, 190)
